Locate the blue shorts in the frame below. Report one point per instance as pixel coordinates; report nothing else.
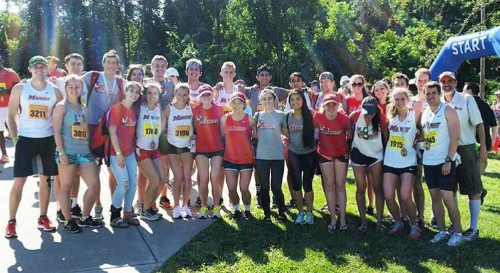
(76, 159)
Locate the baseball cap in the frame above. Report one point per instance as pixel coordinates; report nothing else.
(315, 82)
(326, 75)
(171, 72)
(329, 98)
(263, 68)
(236, 96)
(205, 89)
(447, 74)
(344, 79)
(369, 105)
(37, 60)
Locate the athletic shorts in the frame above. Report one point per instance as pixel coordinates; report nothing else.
(343, 159)
(400, 171)
(360, 160)
(38, 150)
(4, 111)
(76, 159)
(209, 154)
(230, 166)
(141, 154)
(468, 175)
(171, 149)
(436, 180)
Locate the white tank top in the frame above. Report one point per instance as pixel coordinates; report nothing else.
(35, 120)
(399, 152)
(437, 135)
(148, 128)
(180, 126)
(223, 99)
(372, 145)
(425, 105)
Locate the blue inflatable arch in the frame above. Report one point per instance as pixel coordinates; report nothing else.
(466, 47)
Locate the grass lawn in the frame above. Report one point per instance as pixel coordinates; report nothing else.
(252, 246)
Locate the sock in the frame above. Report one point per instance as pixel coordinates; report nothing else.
(247, 207)
(236, 207)
(73, 202)
(474, 207)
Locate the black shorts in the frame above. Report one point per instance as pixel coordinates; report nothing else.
(35, 150)
(210, 154)
(400, 171)
(436, 180)
(230, 166)
(343, 159)
(468, 175)
(171, 149)
(359, 159)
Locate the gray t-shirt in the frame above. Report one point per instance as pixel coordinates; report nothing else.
(253, 95)
(296, 128)
(103, 96)
(269, 126)
(167, 91)
(75, 141)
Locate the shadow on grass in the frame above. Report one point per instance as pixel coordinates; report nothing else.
(227, 242)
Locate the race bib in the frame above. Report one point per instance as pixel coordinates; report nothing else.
(182, 131)
(430, 138)
(150, 131)
(397, 142)
(79, 132)
(38, 111)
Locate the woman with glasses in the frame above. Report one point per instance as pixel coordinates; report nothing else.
(357, 85)
(369, 139)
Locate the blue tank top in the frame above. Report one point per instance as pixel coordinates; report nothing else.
(75, 131)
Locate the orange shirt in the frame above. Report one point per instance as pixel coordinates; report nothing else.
(238, 147)
(125, 120)
(207, 128)
(8, 78)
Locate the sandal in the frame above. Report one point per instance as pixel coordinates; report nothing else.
(343, 227)
(363, 227)
(132, 221)
(118, 223)
(332, 227)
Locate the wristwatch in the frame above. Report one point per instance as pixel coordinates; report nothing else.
(448, 159)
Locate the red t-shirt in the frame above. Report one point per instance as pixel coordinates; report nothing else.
(238, 148)
(125, 120)
(207, 128)
(8, 78)
(58, 73)
(353, 104)
(332, 134)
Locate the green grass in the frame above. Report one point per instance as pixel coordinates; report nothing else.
(252, 246)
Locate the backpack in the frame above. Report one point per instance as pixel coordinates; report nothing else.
(100, 140)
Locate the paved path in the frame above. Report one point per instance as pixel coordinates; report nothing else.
(136, 249)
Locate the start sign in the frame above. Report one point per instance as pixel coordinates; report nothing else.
(468, 46)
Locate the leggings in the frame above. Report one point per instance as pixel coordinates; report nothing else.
(275, 169)
(301, 169)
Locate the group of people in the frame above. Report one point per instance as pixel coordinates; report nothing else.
(228, 131)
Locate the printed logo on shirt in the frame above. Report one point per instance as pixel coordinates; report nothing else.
(205, 120)
(237, 129)
(179, 117)
(35, 97)
(395, 128)
(265, 125)
(100, 88)
(128, 122)
(295, 127)
(365, 134)
(432, 125)
(146, 116)
(327, 131)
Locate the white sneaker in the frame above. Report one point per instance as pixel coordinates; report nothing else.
(441, 236)
(177, 213)
(456, 240)
(186, 212)
(138, 208)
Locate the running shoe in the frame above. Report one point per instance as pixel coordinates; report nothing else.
(415, 232)
(281, 217)
(202, 213)
(76, 212)
(267, 219)
(60, 217)
(291, 203)
(98, 212)
(118, 222)
(309, 219)
(324, 208)
(440, 236)
(10, 231)
(300, 218)
(72, 227)
(236, 215)
(89, 222)
(471, 235)
(451, 230)
(216, 213)
(4, 160)
(150, 215)
(186, 212)
(138, 208)
(165, 203)
(456, 240)
(370, 210)
(176, 214)
(396, 227)
(45, 223)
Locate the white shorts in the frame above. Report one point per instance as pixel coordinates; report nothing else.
(4, 111)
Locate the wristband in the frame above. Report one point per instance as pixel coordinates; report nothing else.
(15, 139)
(62, 153)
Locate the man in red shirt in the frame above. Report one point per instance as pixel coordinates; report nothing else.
(8, 78)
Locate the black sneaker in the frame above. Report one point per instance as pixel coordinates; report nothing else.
(483, 194)
(236, 215)
(267, 219)
(370, 210)
(72, 227)
(60, 217)
(420, 224)
(281, 217)
(248, 215)
(324, 208)
(89, 222)
(471, 235)
(291, 204)
(76, 212)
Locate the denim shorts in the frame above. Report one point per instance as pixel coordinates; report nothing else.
(76, 159)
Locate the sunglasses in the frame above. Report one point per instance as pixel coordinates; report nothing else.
(358, 84)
